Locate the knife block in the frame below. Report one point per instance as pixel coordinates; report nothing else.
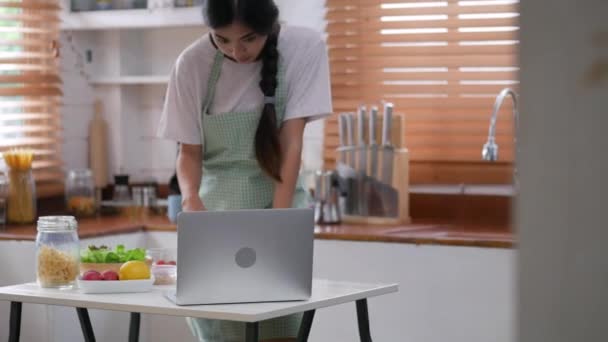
(400, 183)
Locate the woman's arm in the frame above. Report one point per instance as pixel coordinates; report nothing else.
(189, 172)
(290, 137)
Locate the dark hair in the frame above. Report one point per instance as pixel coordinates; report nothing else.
(262, 17)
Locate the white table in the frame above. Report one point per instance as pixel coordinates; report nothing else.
(325, 293)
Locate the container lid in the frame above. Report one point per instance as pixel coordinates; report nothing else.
(121, 179)
(56, 223)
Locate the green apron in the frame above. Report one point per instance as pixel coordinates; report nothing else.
(232, 179)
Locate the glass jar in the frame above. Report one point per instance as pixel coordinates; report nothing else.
(121, 189)
(57, 251)
(3, 200)
(21, 196)
(80, 193)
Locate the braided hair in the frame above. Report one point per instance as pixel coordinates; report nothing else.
(262, 17)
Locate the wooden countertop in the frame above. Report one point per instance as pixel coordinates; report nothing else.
(420, 233)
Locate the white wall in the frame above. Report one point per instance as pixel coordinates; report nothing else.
(563, 265)
(455, 294)
(133, 111)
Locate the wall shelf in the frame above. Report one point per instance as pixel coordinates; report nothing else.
(131, 80)
(131, 19)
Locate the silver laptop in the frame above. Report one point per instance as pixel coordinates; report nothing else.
(244, 256)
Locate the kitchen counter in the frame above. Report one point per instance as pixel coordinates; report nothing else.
(420, 233)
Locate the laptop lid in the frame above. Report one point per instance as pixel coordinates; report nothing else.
(244, 256)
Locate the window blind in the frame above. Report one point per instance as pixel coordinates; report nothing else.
(30, 86)
(441, 63)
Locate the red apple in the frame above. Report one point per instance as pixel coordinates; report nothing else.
(171, 263)
(161, 262)
(92, 275)
(109, 275)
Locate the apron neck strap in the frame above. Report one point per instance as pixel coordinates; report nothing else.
(216, 69)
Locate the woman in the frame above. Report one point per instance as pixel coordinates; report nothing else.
(237, 103)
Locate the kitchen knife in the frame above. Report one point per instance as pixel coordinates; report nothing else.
(373, 145)
(342, 134)
(374, 188)
(349, 172)
(390, 197)
(387, 147)
(361, 163)
(346, 173)
(350, 133)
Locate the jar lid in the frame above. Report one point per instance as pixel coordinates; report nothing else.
(56, 223)
(121, 179)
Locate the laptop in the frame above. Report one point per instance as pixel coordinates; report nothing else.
(244, 256)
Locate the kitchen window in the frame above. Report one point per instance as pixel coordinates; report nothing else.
(30, 87)
(441, 63)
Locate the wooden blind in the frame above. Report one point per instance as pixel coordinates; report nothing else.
(441, 63)
(30, 88)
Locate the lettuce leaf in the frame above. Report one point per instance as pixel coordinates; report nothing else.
(104, 254)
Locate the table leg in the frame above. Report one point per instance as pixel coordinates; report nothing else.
(15, 322)
(363, 321)
(134, 327)
(304, 331)
(251, 332)
(85, 324)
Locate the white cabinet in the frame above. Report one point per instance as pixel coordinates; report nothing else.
(457, 294)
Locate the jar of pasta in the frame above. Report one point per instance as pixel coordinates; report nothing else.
(57, 251)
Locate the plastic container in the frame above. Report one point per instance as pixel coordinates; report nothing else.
(80, 193)
(164, 265)
(115, 286)
(57, 251)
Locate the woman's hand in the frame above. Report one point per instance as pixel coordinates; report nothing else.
(189, 172)
(193, 203)
(290, 136)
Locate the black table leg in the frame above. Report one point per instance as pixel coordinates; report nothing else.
(363, 320)
(134, 327)
(304, 331)
(251, 332)
(15, 325)
(85, 324)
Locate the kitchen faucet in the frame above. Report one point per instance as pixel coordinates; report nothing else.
(490, 149)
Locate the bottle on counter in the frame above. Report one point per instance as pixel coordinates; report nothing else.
(57, 251)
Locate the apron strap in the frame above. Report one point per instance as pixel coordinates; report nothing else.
(216, 69)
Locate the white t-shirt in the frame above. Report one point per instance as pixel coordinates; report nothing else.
(306, 76)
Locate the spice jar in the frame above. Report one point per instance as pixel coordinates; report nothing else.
(80, 193)
(57, 251)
